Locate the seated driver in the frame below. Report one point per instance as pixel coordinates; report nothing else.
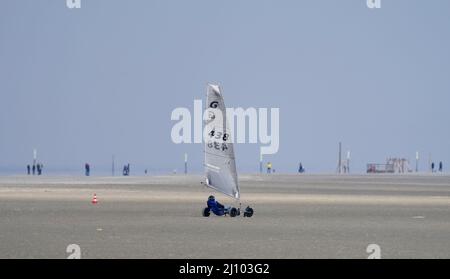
(216, 207)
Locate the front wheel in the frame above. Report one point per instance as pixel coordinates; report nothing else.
(248, 212)
(205, 212)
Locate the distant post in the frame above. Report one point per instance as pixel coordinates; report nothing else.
(34, 156)
(348, 161)
(417, 161)
(340, 159)
(260, 163)
(185, 163)
(429, 162)
(113, 166)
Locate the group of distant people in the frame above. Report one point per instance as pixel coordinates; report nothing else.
(38, 168)
(301, 169)
(126, 170)
(35, 169)
(440, 167)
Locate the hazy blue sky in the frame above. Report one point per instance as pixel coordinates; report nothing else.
(83, 84)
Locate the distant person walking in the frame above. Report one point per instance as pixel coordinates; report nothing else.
(432, 167)
(300, 168)
(126, 170)
(269, 167)
(28, 169)
(440, 166)
(40, 168)
(87, 169)
(34, 169)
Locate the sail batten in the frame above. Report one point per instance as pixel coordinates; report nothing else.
(220, 165)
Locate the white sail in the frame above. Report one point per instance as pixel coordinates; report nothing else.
(220, 165)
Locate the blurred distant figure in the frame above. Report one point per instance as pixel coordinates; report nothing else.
(269, 167)
(39, 169)
(432, 167)
(87, 169)
(145, 171)
(28, 169)
(300, 168)
(440, 166)
(34, 169)
(126, 170)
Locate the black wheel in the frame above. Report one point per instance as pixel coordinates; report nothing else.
(205, 212)
(233, 212)
(248, 212)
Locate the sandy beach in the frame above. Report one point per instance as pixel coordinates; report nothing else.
(296, 216)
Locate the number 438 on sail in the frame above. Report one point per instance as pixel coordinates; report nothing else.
(218, 140)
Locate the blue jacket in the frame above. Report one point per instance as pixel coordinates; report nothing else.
(216, 207)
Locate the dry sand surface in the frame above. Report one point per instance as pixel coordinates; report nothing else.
(296, 216)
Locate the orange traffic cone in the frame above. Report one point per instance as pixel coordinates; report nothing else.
(94, 200)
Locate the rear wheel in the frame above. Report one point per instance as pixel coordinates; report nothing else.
(233, 212)
(205, 212)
